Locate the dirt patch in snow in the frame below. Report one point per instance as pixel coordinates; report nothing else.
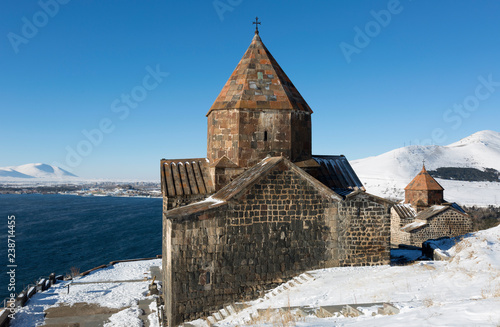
(78, 309)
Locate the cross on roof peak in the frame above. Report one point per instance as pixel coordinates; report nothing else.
(257, 23)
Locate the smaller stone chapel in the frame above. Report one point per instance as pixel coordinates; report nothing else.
(260, 208)
(425, 214)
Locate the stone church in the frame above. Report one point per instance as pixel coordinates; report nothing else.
(260, 208)
(425, 214)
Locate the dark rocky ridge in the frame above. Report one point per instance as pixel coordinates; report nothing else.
(466, 174)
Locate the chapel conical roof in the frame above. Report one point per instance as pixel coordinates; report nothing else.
(424, 182)
(258, 82)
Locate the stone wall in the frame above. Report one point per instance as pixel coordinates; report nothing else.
(278, 228)
(248, 136)
(421, 199)
(364, 231)
(223, 176)
(223, 137)
(263, 133)
(301, 136)
(449, 223)
(395, 228)
(397, 235)
(192, 248)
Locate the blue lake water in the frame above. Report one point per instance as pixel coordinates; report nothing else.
(56, 232)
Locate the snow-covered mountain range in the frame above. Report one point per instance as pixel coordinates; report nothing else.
(387, 174)
(35, 171)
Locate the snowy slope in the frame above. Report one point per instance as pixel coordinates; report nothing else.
(34, 171)
(387, 174)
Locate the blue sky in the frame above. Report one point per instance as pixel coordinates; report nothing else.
(108, 88)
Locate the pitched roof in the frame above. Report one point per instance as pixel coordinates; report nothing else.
(423, 217)
(424, 182)
(363, 193)
(405, 210)
(431, 211)
(417, 223)
(258, 82)
(459, 208)
(335, 172)
(209, 203)
(224, 162)
(244, 181)
(261, 169)
(185, 177)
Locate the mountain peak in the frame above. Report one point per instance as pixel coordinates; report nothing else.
(480, 150)
(37, 171)
(485, 137)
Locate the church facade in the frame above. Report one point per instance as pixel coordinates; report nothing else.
(425, 214)
(260, 208)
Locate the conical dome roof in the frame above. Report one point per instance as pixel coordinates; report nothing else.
(258, 82)
(424, 182)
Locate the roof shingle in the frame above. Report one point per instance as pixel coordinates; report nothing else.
(424, 182)
(258, 82)
(184, 177)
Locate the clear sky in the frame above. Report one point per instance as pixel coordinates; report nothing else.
(108, 88)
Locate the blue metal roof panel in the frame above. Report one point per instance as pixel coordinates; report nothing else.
(457, 207)
(336, 173)
(342, 191)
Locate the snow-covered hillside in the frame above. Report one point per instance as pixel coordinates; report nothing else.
(34, 171)
(387, 174)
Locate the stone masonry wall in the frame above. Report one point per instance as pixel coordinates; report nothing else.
(364, 231)
(223, 176)
(248, 136)
(193, 249)
(281, 227)
(263, 133)
(423, 198)
(236, 251)
(449, 223)
(397, 235)
(301, 136)
(223, 138)
(395, 228)
(292, 227)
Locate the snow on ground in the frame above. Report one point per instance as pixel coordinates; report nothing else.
(125, 318)
(102, 289)
(122, 271)
(153, 316)
(464, 291)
